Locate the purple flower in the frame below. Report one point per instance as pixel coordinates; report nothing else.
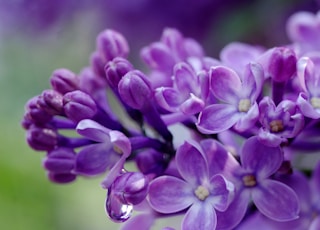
(110, 150)
(189, 92)
(238, 95)
(303, 30)
(272, 198)
(309, 100)
(278, 122)
(198, 190)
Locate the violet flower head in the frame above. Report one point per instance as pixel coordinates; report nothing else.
(238, 96)
(272, 198)
(111, 148)
(279, 122)
(199, 191)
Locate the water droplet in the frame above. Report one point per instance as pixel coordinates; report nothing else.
(117, 209)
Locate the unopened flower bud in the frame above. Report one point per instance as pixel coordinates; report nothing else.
(60, 160)
(279, 63)
(51, 101)
(79, 105)
(116, 69)
(64, 81)
(61, 178)
(35, 114)
(151, 162)
(135, 89)
(111, 44)
(42, 139)
(133, 186)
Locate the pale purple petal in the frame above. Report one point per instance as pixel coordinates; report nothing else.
(168, 98)
(237, 55)
(301, 27)
(200, 216)
(219, 160)
(93, 131)
(113, 173)
(141, 221)
(315, 224)
(259, 158)
(169, 194)
(248, 119)
(191, 164)
(252, 81)
(306, 108)
(184, 78)
(221, 192)
(276, 200)
(192, 105)
(225, 84)
(95, 159)
(235, 212)
(270, 139)
(217, 118)
(121, 143)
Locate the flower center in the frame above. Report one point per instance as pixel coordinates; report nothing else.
(201, 192)
(244, 105)
(315, 102)
(117, 150)
(276, 126)
(249, 180)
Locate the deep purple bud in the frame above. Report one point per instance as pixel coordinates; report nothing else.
(61, 178)
(111, 44)
(51, 101)
(135, 89)
(151, 161)
(116, 69)
(133, 187)
(64, 81)
(35, 114)
(42, 139)
(97, 64)
(60, 160)
(79, 105)
(89, 82)
(279, 63)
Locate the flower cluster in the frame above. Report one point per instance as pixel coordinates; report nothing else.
(217, 141)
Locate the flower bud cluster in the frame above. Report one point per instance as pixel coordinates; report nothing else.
(217, 140)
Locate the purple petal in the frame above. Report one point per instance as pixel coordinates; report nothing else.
(191, 164)
(141, 222)
(315, 224)
(235, 212)
(168, 98)
(113, 173)
(95, 159)
(93, 131)
(259, 158)
(221, 192)
(192, 105)
(169, 194)
(185, 78)
(121, 143)
(200, 216)
(217, 118)
(270, 139)
(219, 160)
(306, 108)
(225, 84)
(252, 81)
(276, 200)
(248, 119)
(237, 55)
(301, 27)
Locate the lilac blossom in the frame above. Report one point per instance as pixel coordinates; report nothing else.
(112, 147)
(238, 95)
(216, 143)
(308, 100)
(278, 122)
(272, 198)
(198, 190)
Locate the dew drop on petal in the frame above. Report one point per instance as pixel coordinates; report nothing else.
(117, 209)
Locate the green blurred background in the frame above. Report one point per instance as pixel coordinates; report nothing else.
(27, 199)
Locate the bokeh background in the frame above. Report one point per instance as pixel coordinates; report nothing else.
(38, 36)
